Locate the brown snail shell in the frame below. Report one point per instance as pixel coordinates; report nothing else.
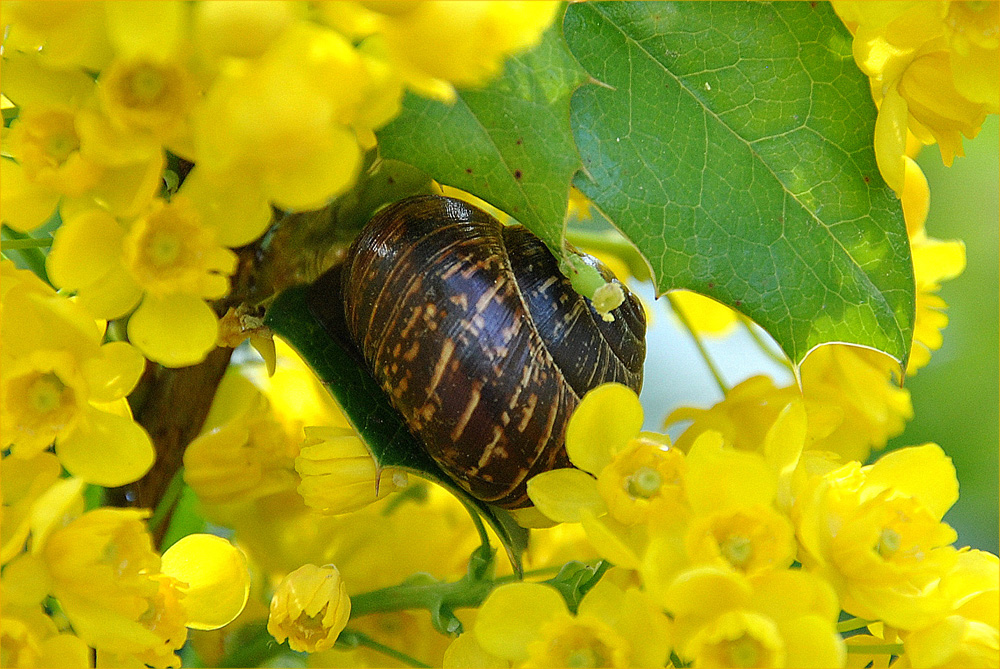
(479, 341)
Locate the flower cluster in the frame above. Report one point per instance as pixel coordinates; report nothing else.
(116, 594)
(933, 74)
(155, 141)
(274, 103)
(754, 545)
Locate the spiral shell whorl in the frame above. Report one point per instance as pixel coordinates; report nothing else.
(442, 319)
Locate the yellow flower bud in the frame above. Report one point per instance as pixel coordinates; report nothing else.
(339, 474)
(310, 608)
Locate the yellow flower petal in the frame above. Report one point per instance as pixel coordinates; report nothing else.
(633, 615)
(62, 501)
(25, 204)
(217, 578)
(316, 177)
(25, 581)
(561, 494)
(811, 641)
(152, 29)
(233, 204)
(890, 139)
(85, 247)
(107, 450)
(115, 373)
(720, 478)
(924, 472)
(611, 539)
(607, 418)
(466, 652)
(28, 84)
(512, 616)
(916, 196)
(175, 331)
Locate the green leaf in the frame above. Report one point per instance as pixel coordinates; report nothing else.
(732, 143)
(338, 365)
(509, 143)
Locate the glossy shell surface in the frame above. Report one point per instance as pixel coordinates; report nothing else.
(479, 341)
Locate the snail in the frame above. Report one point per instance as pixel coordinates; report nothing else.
(476, 337)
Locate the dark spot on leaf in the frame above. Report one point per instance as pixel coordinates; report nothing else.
(516, 209)
(813, 4)
(517, 174)
(390, 181)
(519, 141)
(711, 285)
(867, 179)
(738, 303)
(468, 170)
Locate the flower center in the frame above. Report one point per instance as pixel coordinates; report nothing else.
(644, 482)
(585, 657)
(889, 542)
(46, 393)
(147, 85)
(744, 652)
(61, 145)
(163, 249)
(737, 549)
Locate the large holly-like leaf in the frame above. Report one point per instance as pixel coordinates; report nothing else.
(732, 143)
(328, 352)
(509, 143)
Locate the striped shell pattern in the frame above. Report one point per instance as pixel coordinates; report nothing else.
(479, 341)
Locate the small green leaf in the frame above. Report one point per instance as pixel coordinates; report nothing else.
(509, 143)
(335, 361)
(732, 143)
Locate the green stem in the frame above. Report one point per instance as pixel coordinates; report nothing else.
(679, 312)
(29, 243)
(768, 351)
(877, 648)
(353, 638)
(464, 593)
(166, 504)
(30, 256)
(852, 624)
(484, 537)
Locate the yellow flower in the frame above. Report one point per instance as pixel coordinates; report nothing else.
(933, 72)
(240, 29)
(934, 261)
(623, 480)
(147, 95)
(310, 608)
(166, 259)
(59, 150)
(876, 534)
(64, 34)
(859, 384)
(277, 127)
(705, 314)
(968, 637)
(29, 638)
(61, 384)
(529, 625)
(850, 399)
(22, 481)
(212, 576)
(102, 566)
(439, 45)
(246, 455)
(777, 618)
(339, 474)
